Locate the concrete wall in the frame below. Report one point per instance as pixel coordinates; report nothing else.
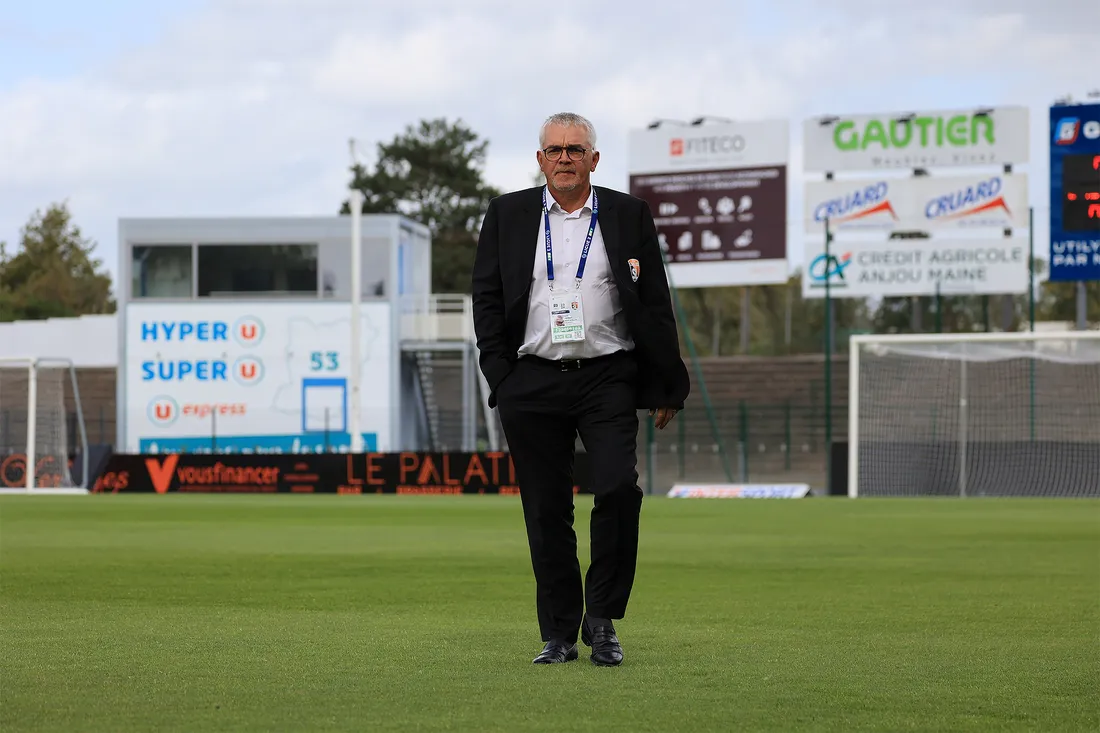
(89, 341)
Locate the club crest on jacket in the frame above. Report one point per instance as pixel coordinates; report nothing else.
(635, 269)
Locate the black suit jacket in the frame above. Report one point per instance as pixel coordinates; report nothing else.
(502, 278)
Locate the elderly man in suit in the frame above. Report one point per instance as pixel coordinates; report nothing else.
(576, 333)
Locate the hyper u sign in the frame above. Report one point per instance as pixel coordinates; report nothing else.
(1075, 192)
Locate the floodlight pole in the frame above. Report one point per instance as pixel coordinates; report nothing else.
(32, 422)
(354, 418)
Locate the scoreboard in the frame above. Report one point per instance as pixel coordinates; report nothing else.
(1081, 193)
(1075, 192)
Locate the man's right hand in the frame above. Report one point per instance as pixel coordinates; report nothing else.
(662, 416)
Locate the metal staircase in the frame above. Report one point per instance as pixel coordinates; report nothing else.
(424, 375)
(439, 375)
(438, 342)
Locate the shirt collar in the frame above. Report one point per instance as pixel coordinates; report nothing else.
(555, 207)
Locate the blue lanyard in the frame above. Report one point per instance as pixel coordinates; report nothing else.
(587, 240)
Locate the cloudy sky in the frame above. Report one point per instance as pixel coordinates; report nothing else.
(244, 107)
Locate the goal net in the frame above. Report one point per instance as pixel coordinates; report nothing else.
(1010, 414)
(41, 427)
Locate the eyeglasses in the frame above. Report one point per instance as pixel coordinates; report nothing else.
(576, 152)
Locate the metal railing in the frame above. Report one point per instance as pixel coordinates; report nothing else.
(747, 442)
(436, 318)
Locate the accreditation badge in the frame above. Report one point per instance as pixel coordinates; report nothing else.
(566, 317)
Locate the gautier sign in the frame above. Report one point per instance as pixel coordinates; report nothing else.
(933, 139)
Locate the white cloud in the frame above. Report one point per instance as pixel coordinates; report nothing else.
(246, 107)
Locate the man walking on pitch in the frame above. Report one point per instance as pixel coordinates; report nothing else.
(576, 332)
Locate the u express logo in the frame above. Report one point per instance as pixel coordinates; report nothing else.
(248, 331)
(248, 370)
(163, 411)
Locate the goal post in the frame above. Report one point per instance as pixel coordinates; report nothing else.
(983, 414)
(37, 442)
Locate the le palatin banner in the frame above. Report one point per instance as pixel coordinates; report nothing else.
(332, 473)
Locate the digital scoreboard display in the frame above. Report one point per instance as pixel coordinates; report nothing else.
(1074, 148)
(1081, 193)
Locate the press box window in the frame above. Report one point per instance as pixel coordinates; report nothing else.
(161, 271)
(275, 269)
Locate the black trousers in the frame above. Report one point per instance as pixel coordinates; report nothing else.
(542, 410)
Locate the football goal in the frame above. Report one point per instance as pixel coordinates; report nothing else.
(41, 427)
(990, 414)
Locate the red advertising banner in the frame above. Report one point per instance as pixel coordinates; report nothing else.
(326, 473)
(49, 471)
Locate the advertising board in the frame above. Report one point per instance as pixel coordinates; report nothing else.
(718, 195)
(1075, 192)
(927, 203)
(915, 266)
(925, 139)
(252, 377)
(739, 491)
(361, 473)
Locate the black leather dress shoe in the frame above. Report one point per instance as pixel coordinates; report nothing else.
(606, 650)
(557, 651)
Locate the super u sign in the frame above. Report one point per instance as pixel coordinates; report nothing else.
(248, 370)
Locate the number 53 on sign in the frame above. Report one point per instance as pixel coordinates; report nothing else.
(323, 361)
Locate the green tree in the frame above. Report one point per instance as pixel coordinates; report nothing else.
(808, 318)
(956, 314)
(54, 273)
(1054, 301)
(713, 316)
(1057, 301)
(432, 173)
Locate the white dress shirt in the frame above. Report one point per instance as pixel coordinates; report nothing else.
(604, 321)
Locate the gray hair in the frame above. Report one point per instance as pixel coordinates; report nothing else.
(568, 119)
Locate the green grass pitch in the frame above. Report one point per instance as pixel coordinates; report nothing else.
(383, 613)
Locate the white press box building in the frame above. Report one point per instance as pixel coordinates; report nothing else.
(235, 334)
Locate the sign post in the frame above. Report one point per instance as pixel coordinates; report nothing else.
(935, 234)
(718, 194)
